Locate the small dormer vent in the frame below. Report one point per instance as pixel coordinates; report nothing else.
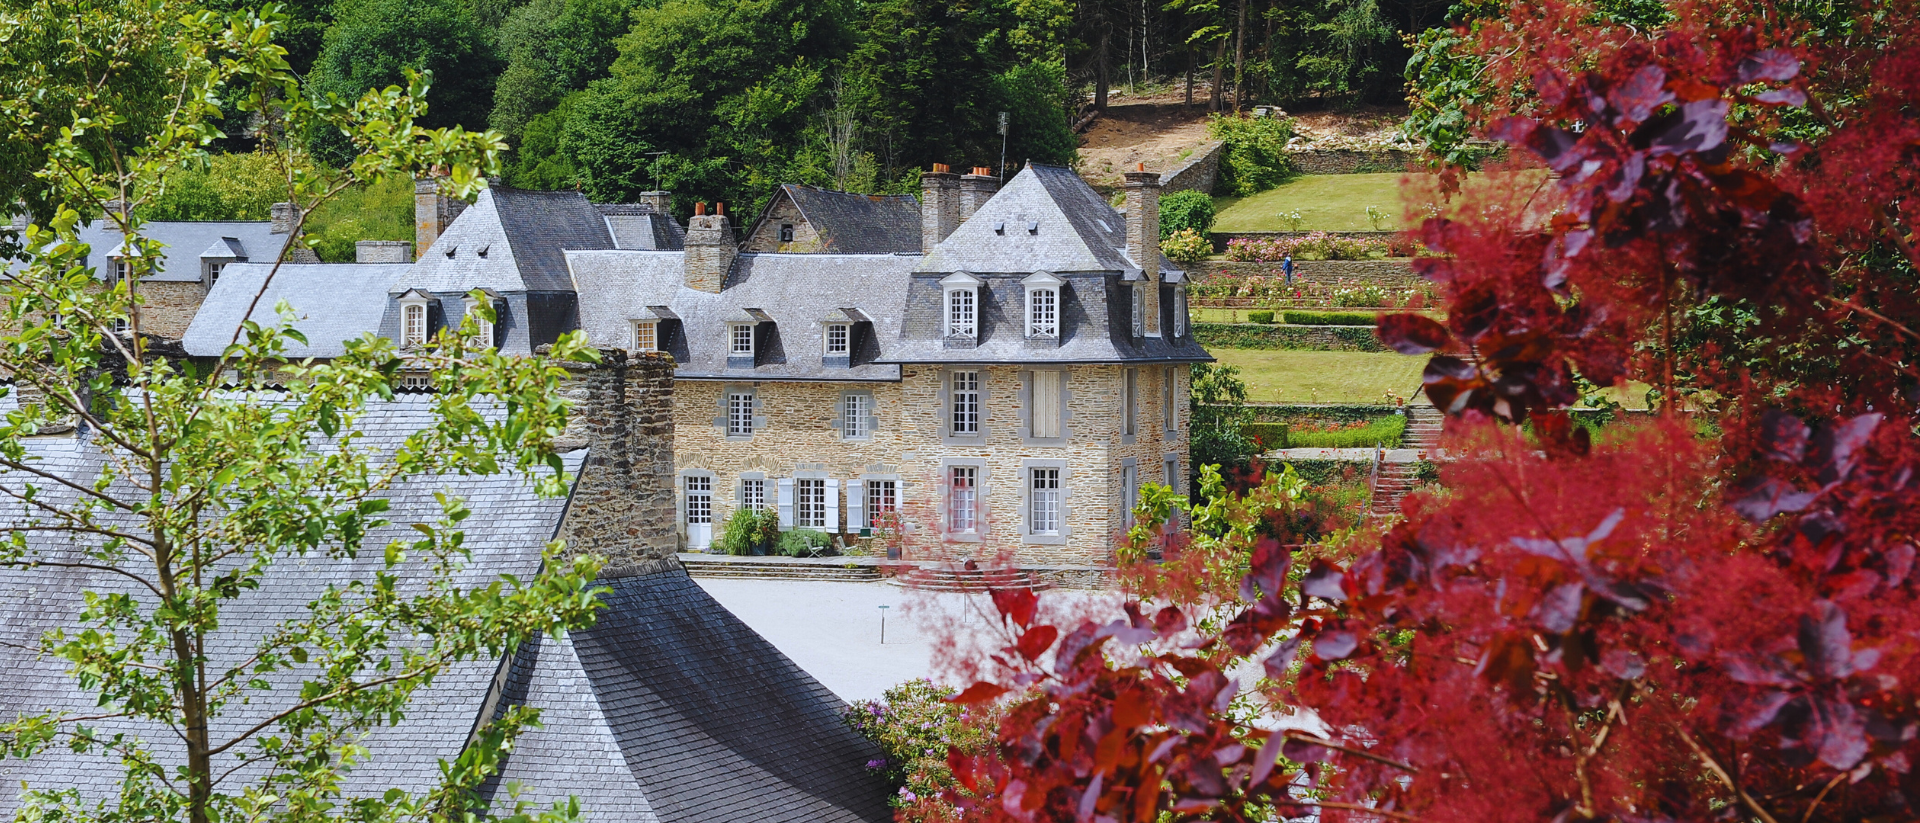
(449, 252)
(1033, 227)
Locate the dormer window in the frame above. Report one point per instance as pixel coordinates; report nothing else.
(646, 336)
(839, 339)
(1043, 306)
(213, 273)
(1179, 312)
(122, 269)
(414, 319)
(483, 328)
(961, 292)
(1140, 308)
(740, 337)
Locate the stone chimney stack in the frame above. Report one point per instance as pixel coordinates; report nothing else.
(975, 190)
(382, 251)
(939, 205)
(1143, 237)
(659, 201)
(710, 249)
(433, 211)
(623, 501)
(284, 216)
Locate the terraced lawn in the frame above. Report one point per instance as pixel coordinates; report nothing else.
(1275, 376)
(1334, 202)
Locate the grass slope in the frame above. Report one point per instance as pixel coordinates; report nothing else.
(1323, 376)
(1326, 202)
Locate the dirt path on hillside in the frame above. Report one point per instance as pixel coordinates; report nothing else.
(1161, 132)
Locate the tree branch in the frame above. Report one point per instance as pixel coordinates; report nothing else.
(308, 704)
(1725, 778)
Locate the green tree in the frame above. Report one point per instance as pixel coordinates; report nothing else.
(204, 491)
(375, 42)
(1217, 420)
(553, 48)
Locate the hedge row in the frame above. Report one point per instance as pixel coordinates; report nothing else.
(1383, 431)
(1329, 318)
(1293, 338)
(1285, 412)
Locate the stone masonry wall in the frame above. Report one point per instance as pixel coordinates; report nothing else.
(798, 435)
(1350, 161)
(767, 238)
(1396, 273)
(169, 307)
(1199, 173)
(623, 501)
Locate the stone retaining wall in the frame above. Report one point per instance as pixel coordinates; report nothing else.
(1351, 161)
(1389, 273)
(1291, 338)
(1199, 173)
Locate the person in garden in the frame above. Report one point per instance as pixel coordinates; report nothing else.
(1286, 267)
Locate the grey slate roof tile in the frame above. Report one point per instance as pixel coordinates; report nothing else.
(510, 240)
(334, 302)
(855, 223)
(182, 244)
(1072, 230)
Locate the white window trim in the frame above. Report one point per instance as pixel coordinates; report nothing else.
(483, 328)
(652, 335)
(969, 516)
(856, 426)
(846, 339)
(745, 502)
(1180, 311)
(975, 398)
(1139, 312)
(734, 338)
(952, 288)
(734, 417)
(862, 504)
(1037, 284)
(409, 335)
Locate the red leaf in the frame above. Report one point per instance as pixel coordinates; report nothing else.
(1035, 641)
(1169, 621)
(1017, 605)
(978, 693)
(1413, 333)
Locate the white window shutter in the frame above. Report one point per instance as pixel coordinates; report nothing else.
(856, 505)
(833, 506)
(679, 503)
(786, 502)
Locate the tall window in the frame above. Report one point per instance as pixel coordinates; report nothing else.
(1179, 312)
(810, 503)
(963, 496)
(1043, 502)
(1129, 492)
(838, 338)
(1046, 404)
(646, 336)
(413, 324)
(699, 499)
(1043, 313)
(213, 273)
(753, 495)
(742, 337)
(482, 327)
(121, 271)
(1139, 309)
(856, 415)
(966, 403)
(739, 414)
(1171, 469)
(960, 313)
(1166, 399)
(1129, 401)
(883, 499)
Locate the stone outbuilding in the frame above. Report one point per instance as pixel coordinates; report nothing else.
(801, 219)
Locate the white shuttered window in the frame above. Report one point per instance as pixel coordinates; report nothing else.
(1046, 404)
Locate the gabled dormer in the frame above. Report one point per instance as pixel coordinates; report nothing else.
(1043, 307)
(417, 316)
(842, 332)
(485, 328)
(750, 333)
(960, 303)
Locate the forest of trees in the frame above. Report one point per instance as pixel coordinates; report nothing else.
(723, 99)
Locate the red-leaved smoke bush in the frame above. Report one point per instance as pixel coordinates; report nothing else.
(1711, 615)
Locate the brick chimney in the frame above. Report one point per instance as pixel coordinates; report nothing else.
(659, 201)
(284, 216)
(433, 211)
(939, 205)
(975, 190)
(710, 249)
(1143, 236)
(623, 502)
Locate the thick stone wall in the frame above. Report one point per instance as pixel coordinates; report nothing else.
(797, 434)
(1389, 273)
(168, 307)
(1295, 338)
(1351, 161)
(623, 502)
(1200, 172)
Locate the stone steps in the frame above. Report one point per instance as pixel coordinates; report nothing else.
(1424, 424)
(769, 568)
(1391, 485)
(952, 579)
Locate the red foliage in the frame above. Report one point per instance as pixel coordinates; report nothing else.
(1663, 625)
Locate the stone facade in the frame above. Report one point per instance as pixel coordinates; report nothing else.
(167, 307)
(622, 506)
(783, 218)
(796, 433)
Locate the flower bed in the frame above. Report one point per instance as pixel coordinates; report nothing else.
(1342, 293)
(1317, 245)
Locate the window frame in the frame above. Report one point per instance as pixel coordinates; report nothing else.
(1139, 312)
(1036, 286)
(845, 331)
(959, 290)
(687, 495)
(856, 426)
(1179, 311)
(735, 336)
(963, 500)
(1129, 402)
(1168, 415)
(483, 335)
(876, 505)
(970, 413)
(652, 338)
(809, 499)
(412, 307)
(786, 232)
(1047, 498)
(753, 494)
(735, 416)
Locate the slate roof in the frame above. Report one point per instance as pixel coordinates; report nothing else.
(1045, 219)
(509, 240)
(797, 291)
(668, 709)
(335, 302)
(707, 717)
(184, 242)
(850, 223)
(637, 226)
(1094, 316)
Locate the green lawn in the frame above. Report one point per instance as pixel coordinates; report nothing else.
(1326, 202)
(1323, 376)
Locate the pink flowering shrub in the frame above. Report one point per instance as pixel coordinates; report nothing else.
(1317, 245)
(915, 726)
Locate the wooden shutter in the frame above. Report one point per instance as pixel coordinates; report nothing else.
(1046, 404)
(856, 505)
(786, 502)
(833, 506)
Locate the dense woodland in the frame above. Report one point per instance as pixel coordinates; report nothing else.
(723, 99)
